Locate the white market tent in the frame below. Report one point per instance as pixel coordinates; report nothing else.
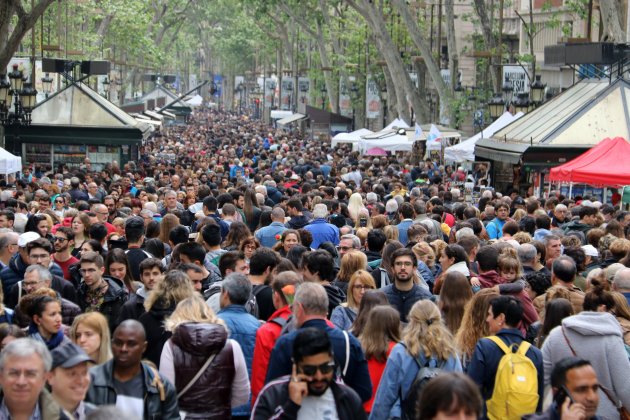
(390, 142)
(398, 123)
(196, 100)
(9, 163)
(466, 149)
(353, 137)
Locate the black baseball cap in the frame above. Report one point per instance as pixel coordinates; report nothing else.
(69, 355)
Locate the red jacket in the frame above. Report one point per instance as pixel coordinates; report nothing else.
(266, 337)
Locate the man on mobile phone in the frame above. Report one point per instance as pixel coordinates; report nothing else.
(575, 392)
(310, 391)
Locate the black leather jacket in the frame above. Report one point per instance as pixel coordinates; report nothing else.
(102, 392)
(274, 402)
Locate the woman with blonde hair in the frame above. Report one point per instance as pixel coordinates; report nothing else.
(361, 281)
(351, 262)
(474, 325)
(90, 331)
(380, 335)
(379, 221)
(355, 206)
(207, 368)
(159, 305)
(621, 311)
(364, 220)
(391, 232)
(426, 342)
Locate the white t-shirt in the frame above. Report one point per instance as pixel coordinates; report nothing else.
(322, 407)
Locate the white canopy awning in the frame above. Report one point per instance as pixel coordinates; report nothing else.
(353, 137)
(196, 100)
(291, 119)
(277, 114)
(398, 123)
(393, 143)
(466, 149)
(9, 163)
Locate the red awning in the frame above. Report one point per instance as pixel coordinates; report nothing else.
(605, 164)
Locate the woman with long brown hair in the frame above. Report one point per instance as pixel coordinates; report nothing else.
(474, 326)
(426, 342)
(370, 299)
(380, 335)
(351, 262)
(238, 232)
(455, 294)
(250, 209)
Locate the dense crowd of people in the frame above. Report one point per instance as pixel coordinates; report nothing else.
(241, 271)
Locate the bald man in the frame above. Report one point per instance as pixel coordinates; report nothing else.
(102, 213)
(128, 383)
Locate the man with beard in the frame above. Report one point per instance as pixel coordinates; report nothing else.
(404, 292)
(63, 241)
(310, 391)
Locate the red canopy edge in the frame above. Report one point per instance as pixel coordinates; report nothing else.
(606, 164)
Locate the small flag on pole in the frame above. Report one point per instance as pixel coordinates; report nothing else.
(434, 134)
(418, 133)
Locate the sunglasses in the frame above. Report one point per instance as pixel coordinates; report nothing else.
(59, 239)
(324, 368)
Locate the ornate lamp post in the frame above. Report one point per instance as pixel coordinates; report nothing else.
(21, 95)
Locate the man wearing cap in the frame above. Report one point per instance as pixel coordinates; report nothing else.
(14, 272)
(69, 379)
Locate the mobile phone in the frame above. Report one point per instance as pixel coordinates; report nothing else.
(562, 394)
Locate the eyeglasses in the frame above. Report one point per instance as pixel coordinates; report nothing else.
(344, 248)
(59, 239)
(36, 257)
(362, 287)
(403, 264)
(104, 213)
(324, 368)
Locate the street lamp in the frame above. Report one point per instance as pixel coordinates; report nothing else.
(508, 91)
(106, 84)
(354, 95)
(538, 90)
(522, 103)
(496, 106)
(47, 84)
(323, 91)
(25, 99)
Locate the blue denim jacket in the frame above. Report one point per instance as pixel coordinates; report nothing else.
(400, 371)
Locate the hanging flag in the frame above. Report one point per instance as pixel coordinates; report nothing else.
(418, 133)
(434, 134)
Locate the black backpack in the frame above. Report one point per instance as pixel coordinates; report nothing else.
(409, 403)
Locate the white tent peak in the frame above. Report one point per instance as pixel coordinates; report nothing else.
(398, 123)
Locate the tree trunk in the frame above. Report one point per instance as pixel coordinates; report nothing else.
(489, 39)
(421, 43)
(611, 13)
(10, 41)
(404, 88)
(453, 55)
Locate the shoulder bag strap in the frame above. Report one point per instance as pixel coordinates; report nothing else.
(198, 374)
(345, 368)
(568, 342)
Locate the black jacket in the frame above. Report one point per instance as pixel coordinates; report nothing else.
(133, 308)
(274, 402)
(153, 323)
(403, 301)
(102, 392)
(114, 299)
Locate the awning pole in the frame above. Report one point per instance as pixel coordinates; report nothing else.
(570, 189)
(605, 194)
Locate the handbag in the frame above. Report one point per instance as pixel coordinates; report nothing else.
(624, 414)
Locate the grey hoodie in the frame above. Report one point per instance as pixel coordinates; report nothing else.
(596, 337)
